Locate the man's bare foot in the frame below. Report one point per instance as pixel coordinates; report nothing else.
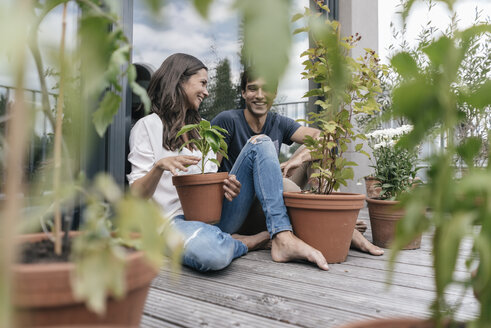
(361, 226)
(287, 247)
(254, 242)
(361, 243)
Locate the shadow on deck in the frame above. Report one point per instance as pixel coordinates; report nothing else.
(254, 291)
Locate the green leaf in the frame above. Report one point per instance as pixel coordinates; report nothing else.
(186, 128)
(137, 89)
(358, 147)
(447, 242)
(405, 65)
(212, 140)
(103, 116)
(202, 6)
(267, 36)
(480, 98)
(297, 17)
(469, 149)
(215, 161)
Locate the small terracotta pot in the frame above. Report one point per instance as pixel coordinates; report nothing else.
(372, 190)
(201, 195)
(325, 222)
(42, 294)
(392, 323)
(384, 215)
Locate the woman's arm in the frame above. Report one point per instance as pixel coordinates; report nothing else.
(145, 186)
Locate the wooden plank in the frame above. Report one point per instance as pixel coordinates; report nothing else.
(220, 292)
(177, 311)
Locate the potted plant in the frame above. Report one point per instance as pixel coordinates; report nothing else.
(395, 173)
(430, 97)
(117, 254)
(201, 195)
(321, 217)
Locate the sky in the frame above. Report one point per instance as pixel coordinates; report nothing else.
(183, 30)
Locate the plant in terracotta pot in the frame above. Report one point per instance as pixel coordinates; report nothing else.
(106, 276)
(430, 97)
(321, 217)
(395, 174)
(201, 195)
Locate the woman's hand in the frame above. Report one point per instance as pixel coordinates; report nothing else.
(231, 187)
(175, 163)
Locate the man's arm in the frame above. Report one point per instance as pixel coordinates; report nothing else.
(302, 154)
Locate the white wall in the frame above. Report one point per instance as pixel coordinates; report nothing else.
(359, 16)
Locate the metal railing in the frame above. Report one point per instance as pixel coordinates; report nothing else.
(42, 133)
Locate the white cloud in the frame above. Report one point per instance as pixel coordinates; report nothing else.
(292, 87)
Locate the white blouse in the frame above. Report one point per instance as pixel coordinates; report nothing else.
(146, 150)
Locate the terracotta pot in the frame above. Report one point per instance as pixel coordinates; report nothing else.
(392, 323)
(325, 222)
(42, 294)
(384, 215)
(201, 195)
(372, 191)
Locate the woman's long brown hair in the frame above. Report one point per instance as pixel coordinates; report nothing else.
(169, 99)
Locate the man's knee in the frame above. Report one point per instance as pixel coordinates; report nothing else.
(259, 138)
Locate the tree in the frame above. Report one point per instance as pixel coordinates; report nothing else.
(222, 92)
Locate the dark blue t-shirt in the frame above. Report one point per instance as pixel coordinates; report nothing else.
(279, 128)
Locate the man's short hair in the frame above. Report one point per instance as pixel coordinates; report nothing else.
(249, 74)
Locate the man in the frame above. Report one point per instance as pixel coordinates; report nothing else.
(255, 119)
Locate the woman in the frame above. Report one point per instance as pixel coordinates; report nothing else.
(176, 90)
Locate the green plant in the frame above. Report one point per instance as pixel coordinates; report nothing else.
(395, 167)
(345, 87)
(96, 65)
(210, 138)
(431, 98)
(98, 244)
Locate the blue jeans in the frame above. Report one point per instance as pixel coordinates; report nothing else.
(209, 247)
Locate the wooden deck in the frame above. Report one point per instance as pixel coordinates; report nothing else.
(257, 292)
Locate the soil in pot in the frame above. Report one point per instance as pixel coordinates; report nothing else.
(201, 195)
(326, 222)
(384, 215)
(42, 294)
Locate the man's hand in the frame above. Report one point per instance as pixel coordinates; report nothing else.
(175, 163)
(290, 165)
(231, 187)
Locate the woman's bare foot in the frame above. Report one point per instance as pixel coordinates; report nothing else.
(287, 247)
(254, 242)
(361, 243)
(361, 226)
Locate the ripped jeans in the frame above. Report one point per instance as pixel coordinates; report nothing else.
(211, 247)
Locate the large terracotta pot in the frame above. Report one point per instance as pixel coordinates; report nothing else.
(325, 222)
(372, 190)
(201, 195)
(42, 294)
(392, 323)
(384, 215)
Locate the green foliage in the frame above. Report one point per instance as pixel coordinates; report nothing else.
(210, 138)
(345, 87)
(395, 167)
(267, 37)
(100, 245)
(428, 98)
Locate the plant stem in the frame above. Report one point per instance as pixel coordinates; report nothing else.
(58, 135)
(17, 145)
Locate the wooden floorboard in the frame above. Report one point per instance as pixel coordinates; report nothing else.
(254, 291)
